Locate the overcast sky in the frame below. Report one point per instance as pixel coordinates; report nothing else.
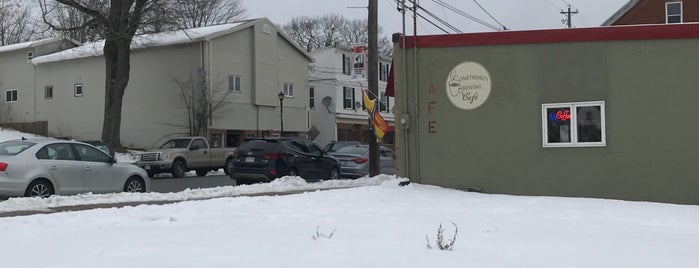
(514, 14)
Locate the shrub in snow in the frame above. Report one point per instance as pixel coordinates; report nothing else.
(439, 242)
(318, 234)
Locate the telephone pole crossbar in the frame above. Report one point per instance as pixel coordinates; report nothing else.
(568, 15)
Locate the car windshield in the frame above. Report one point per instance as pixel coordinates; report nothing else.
(14, 147)
(353, 149)
(176, 143)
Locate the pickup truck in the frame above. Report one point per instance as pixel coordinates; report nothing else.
(179, 155)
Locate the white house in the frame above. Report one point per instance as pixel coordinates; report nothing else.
(338, 74)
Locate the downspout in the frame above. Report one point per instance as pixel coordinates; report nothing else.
(209, 84)
(406, 103)
(35, 92)
(417, 96)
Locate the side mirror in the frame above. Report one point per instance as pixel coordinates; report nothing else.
(112, 160)
(194, 147)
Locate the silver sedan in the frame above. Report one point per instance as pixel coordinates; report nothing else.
(43, 167)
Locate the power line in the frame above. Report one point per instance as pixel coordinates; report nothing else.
(468, 16)
(491, 16)
(438, 19)
(436, 26)
(552, 5)
(443, 22)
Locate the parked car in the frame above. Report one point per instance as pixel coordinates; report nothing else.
(43, 167)
(335, 145)
(354, 160)
(102, 146)
(179, 155)
(263, 160)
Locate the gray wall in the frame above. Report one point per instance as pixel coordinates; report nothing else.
(153, 106)
(650, 90)
(265, 61)
(16, 72)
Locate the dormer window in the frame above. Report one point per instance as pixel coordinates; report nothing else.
(673, 12)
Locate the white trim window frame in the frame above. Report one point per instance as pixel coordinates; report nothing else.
(673, 15)
(11, 95)
(288, 90)
(76, 92)
(574, 124)
(234, 83)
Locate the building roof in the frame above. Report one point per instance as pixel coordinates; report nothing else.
(193, 35)
(619, 13)
(31, 44)
(598, 34)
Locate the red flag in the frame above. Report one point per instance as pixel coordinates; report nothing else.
(390, 87)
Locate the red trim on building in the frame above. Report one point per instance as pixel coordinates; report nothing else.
(599, 34)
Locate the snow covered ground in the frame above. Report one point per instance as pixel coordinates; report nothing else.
(379, 224)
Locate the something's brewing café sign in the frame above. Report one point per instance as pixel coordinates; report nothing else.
(468, 85)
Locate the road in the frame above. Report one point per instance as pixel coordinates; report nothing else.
(169, 184)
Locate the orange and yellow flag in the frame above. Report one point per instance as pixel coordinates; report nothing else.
(376, 122)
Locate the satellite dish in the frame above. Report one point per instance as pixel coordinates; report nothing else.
(327, 100)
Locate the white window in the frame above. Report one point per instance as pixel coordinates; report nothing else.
(673, 12)
(11, 95)
(348, 97)
(234, 83)
(577, 124)
(78, 90)
(385, 106)
(288, 90)
(48, 92)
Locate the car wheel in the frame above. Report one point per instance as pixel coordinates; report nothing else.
(202, 172)
(334, 174)
(292, 172)
(135, 184)
(178, 169)
(228, 167)
(40, 188)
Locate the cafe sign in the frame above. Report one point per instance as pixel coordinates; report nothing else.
(468, 85)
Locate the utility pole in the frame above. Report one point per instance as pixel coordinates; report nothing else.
(569, 14)
(373, 55)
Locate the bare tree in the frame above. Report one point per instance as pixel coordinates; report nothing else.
(305, 31)
(73, 22)
(314, 33)
(185, 14)
(17, 23)
(200, 101)
(117, 23)
(199, 13)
